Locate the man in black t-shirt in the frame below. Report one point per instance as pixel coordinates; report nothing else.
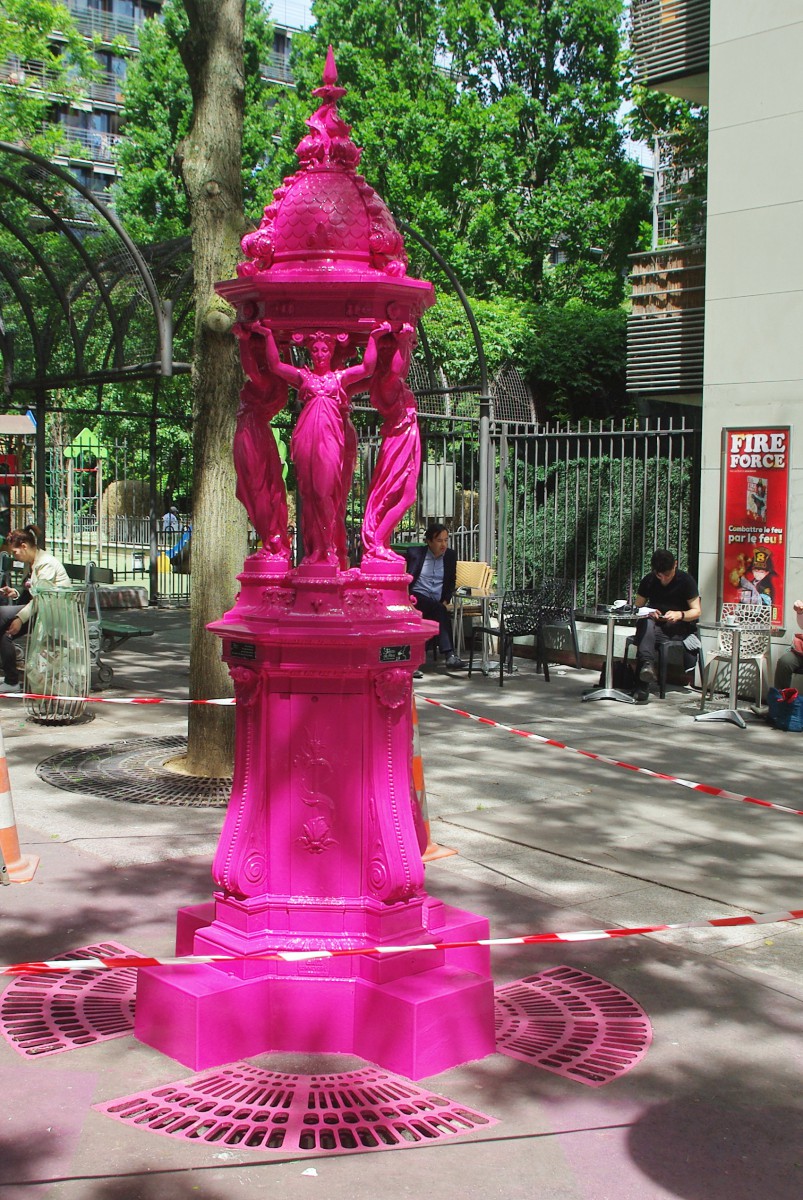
(674, 600)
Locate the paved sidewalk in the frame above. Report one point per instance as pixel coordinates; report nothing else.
(548, 840)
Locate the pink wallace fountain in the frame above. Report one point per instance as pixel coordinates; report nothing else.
(319, 850)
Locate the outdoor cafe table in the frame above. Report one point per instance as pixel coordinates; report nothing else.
(612, 618)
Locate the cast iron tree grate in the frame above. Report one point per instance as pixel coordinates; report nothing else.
(254, 1109)
(572, 1024)
(46, 1014)
(134, 770)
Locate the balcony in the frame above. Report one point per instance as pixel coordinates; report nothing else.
(107, 26)
(87, 145)
(669, 40)
(35, 76)
(665, 329)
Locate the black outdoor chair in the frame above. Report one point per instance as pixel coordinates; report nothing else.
(518, 614)
(664, 650)
(557, 600)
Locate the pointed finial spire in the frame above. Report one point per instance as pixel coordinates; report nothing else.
(329, 90)
(330, 69)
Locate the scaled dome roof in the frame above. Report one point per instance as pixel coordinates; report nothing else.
(326, 217)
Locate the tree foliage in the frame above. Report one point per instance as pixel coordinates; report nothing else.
(150, 196)
(37, 67)
(492, 128)
(572, 356)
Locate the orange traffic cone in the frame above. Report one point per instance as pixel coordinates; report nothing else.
(433, 850)
(21, 867)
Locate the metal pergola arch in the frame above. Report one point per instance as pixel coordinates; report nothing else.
(102, 293)
(79, 305)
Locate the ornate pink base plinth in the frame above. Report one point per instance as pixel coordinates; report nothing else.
(436, 1016)
(319, 848)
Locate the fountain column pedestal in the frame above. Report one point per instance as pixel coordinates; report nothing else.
(319, 849)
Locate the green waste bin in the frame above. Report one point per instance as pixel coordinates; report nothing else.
(57, 660)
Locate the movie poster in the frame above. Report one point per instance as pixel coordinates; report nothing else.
(756, 484)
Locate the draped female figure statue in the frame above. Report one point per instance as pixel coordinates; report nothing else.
(321, 448)
(260, 483)
(395, 478)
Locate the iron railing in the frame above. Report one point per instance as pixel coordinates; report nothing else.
(587, 502)
(592, 502)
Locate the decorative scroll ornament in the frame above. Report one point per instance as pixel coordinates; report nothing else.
(277, 602)
(316, 778)
(364, 605)
(393, 688)
(247, 684)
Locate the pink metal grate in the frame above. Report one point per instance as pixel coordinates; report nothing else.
(572, 1024)
(45, 1014)
(246, 1106)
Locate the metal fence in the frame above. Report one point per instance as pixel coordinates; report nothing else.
(586, 502)
(591, 502)
(98, 509)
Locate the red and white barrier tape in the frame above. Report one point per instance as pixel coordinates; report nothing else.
(614, 762)
(114, 699)
(531, 939)
(707, 789)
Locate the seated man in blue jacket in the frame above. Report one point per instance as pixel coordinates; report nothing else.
(434, 569)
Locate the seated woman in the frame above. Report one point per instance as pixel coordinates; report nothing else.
(42, 568)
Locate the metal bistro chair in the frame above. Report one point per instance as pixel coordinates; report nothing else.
(557, 598)
(754, 622)
(518, 614)
(665, 650)
(472, 587)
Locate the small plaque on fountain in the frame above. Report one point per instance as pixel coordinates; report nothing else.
(243, 650)
(394, 654)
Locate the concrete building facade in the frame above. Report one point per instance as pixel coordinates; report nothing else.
(743, 60)
(753, 361)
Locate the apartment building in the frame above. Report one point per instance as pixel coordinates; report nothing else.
(721, 326)
(92, 129)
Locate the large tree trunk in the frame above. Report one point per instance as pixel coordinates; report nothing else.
(210, 159)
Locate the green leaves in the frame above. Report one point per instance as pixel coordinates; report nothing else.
(35, 68)
(491, 127)
(156, 116)
(573, 356)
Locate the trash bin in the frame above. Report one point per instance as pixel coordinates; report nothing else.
(57, 658)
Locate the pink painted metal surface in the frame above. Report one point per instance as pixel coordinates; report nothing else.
(47, 1014)
(319, 849)
(573, 1024)
(395, 478)
(253, 1109)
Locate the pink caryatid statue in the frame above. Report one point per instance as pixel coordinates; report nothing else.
(260, 483)
(318, 867)
(395, 478)
(324, 443)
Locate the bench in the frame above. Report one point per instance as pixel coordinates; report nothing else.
(104, 636)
